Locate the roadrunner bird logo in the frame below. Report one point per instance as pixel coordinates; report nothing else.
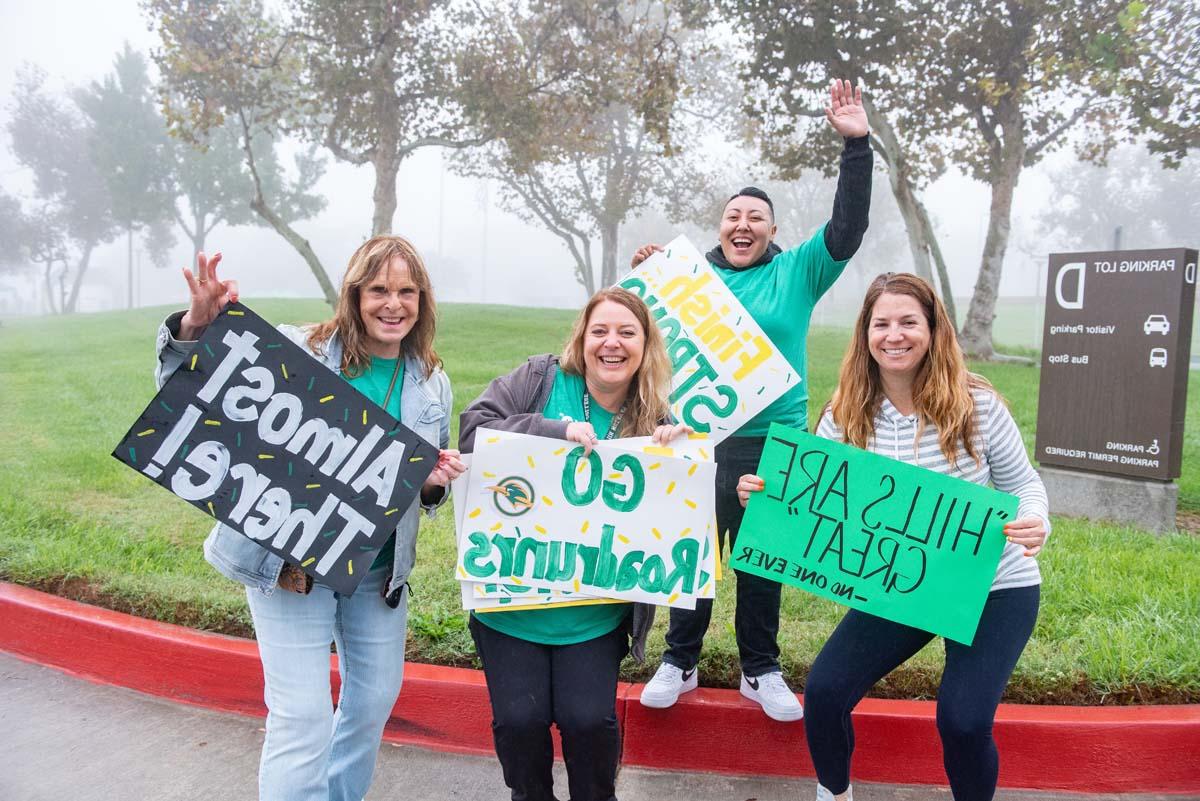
(514, 496)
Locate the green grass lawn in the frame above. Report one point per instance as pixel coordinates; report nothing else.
(1120, 608)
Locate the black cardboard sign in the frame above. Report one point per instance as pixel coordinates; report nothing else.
(255, 432)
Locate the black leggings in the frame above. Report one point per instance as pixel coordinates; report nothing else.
(574, 686)
(756, 616)
(864, 648)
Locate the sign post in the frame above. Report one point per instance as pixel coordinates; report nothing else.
(1115, 357)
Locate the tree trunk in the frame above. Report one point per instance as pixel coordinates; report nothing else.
(259, 205)
(608, 253)
(73, 300)
(940, 263)
(62, 288)
(976, 334)
(50, 287)
(387, 165)
(912, 212)
(584, 271)
(887, 144)
(300, 244)
(129, 257)
(198, 236)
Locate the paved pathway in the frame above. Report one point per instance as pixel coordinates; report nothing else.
(65, 739)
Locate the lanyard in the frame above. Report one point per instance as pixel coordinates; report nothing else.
(613, 427)
(392, 385)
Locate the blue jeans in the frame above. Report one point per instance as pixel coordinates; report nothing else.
(756, 617)
(864, 648)
(311, 752)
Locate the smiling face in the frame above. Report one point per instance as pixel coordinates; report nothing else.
(389, 307)
(612, 347)
(747, 227)
(898, 336)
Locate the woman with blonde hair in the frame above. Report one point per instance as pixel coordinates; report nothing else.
(905, 392)
(380, 340)
(559, 666)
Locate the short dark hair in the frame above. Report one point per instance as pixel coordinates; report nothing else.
(754, 191)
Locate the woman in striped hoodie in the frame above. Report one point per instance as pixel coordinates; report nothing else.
(904, 392)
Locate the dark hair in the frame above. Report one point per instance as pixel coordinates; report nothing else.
(754, 191)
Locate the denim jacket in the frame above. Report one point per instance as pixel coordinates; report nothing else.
(424, 407)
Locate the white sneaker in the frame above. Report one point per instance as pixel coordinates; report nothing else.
(669, 681)
(771, 692)
(824, 794)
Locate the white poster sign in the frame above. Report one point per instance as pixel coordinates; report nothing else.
(616, 524)
(726, 370)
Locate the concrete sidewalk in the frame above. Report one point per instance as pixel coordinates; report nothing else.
(67, 739)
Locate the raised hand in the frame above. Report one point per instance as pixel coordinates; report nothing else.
(643, 253)
(845, 111)
(209, 295)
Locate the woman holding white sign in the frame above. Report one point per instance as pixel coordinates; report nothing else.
(380, 340)
(559, 666)
(905, 392)
(779, 288)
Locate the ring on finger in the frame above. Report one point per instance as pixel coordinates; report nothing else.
(201, 281)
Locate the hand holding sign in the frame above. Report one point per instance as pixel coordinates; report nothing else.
(901, 542)
(1027, 531)
(609, 522)
(257, 433)
(724, 368)
(449, 467)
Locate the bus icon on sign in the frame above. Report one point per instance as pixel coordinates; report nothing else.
(1156, 324)
(1158, 357)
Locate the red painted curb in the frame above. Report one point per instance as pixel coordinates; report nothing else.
(1080, 749)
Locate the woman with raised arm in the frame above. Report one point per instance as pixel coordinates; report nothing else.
(905, 393)
(380, 340)
(779, 288)
(559, 666)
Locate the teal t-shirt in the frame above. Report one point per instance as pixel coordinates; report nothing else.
(780, 296)
(570, 624)
(374, 383)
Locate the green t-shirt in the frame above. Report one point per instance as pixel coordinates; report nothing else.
(374, 383)
(570, 624)
(780, 296)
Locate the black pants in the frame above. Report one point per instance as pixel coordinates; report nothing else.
(574, 686)
(864, 648)
(756, 618)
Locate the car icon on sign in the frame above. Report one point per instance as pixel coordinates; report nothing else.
(1158, 357)
(1156, 324)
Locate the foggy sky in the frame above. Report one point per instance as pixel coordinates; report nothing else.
(461, 237)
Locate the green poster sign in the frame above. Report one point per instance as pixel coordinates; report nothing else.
(898, 541)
